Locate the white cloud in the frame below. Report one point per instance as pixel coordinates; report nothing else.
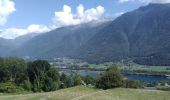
(66, 17)
(146, 1)
(7, 7)
(37, 28)
(12, 33)
(118, 14)
(122, 1)
(61, 18)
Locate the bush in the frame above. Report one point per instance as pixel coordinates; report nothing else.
(131, 84)
(62, 86)
(69, 81)
(50, 85)
(27, 85)
(36, 88)
(66, 81)
(151, 84)
(89, 80)
(110, 79)
(77, 80)
(164, 88)
(10, 87)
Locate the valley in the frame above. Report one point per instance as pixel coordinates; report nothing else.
(140, 35)
(124, 66)
(85, 54)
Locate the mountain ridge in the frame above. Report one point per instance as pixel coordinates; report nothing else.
(142, 35)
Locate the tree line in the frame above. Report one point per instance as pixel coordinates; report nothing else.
(17, 75)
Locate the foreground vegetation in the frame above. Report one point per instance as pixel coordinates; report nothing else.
(86, 93)
(17, 75)
(19, 79)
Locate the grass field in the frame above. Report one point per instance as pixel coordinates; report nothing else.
(130, 66)
(85, 93)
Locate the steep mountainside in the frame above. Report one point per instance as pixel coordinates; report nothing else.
(60, 42)
(143, 33)
(6, 46)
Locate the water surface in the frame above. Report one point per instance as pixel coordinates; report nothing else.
(140, 77)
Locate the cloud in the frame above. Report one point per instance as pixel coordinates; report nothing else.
(37, 28)
(146, 1)
(7, 7)
(66, 17)
(61, 18)
(118, 14)
(11, 33)
(122, 1)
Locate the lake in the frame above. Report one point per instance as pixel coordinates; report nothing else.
(140, 77)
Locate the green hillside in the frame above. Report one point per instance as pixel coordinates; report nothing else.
(85, 93)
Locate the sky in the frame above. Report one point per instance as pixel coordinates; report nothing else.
(21, 17)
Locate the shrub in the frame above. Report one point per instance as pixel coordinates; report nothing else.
(50, 85)
(62, 86)
(131, 84)
(10, 87)
(27, 85)
(66, 80)
(110, 79)
(77, 80)
(164, 88)
(89, 80)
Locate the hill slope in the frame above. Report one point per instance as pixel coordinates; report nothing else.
(60, 42)
(143, 34)
(6, 46)
(85, 93)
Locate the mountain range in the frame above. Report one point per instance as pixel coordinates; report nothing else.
(142, 35)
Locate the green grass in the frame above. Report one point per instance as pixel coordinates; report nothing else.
(123, 66)
(130, 66)
(85, 93)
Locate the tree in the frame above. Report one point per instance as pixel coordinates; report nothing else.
(89, 80)
(77, 80)
(66, 81)
(110, 79)
(14, 69)
(53, 74)
(36, 76)
(37, 72)
(63, 79)
(70, 81)
(52, 80)
(3, 71)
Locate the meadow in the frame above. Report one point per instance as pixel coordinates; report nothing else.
(89, 93)
(133, 67)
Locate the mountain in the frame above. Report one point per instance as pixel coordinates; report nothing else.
(24, 38)
(9, 45)
(6, 46)
(60, 42)
(141, 34)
